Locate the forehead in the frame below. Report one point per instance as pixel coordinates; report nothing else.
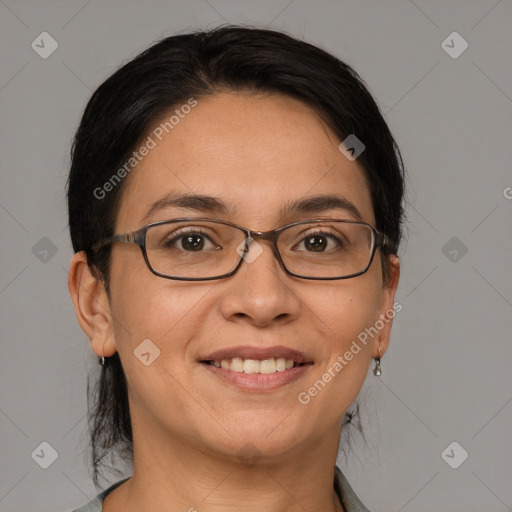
(254, 153)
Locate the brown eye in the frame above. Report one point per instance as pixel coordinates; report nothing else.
(316, 243)
(191, 241)
(320, 242)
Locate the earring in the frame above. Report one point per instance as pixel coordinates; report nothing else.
(102, 361)
(377, 371)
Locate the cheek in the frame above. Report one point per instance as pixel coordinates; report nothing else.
(347, 308)
(342, 313)
(157, 321)
(147, 307)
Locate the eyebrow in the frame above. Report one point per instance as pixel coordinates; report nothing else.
(319, 204)
(214, 205)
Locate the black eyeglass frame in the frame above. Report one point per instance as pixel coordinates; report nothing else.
(138, 237)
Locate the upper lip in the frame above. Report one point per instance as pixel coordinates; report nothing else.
(260, 353)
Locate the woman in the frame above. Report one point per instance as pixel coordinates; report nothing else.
(235, 205)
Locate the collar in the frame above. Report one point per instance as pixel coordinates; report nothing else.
(348, 498)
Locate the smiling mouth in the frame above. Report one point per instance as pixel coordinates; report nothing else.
(265, 366)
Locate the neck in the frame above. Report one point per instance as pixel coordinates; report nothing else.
(175, 476)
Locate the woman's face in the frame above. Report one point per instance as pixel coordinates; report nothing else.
(256, 154)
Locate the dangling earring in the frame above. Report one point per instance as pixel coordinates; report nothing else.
(377, 371)
(102, 361)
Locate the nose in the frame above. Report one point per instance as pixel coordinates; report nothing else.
(260, 292)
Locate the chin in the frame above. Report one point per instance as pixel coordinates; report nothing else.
(252, 433)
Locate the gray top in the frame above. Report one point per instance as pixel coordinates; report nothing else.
(348, 498)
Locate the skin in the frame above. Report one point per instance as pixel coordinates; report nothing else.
(189, 428)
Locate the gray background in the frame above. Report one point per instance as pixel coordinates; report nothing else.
(448, 374)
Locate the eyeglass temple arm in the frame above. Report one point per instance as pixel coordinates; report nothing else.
(381, 240)
(135, 237)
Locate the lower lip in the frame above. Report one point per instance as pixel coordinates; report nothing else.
(259, 381)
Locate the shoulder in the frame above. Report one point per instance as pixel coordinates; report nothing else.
(349, 499)
(96, 505)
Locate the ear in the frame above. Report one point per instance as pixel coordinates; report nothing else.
(388, 308)
(91, 306)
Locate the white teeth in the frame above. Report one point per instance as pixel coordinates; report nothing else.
(240, 365)
(237, 365)
(268, 366)
(251, 366)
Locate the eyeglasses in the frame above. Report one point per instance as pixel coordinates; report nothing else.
(200, 249)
